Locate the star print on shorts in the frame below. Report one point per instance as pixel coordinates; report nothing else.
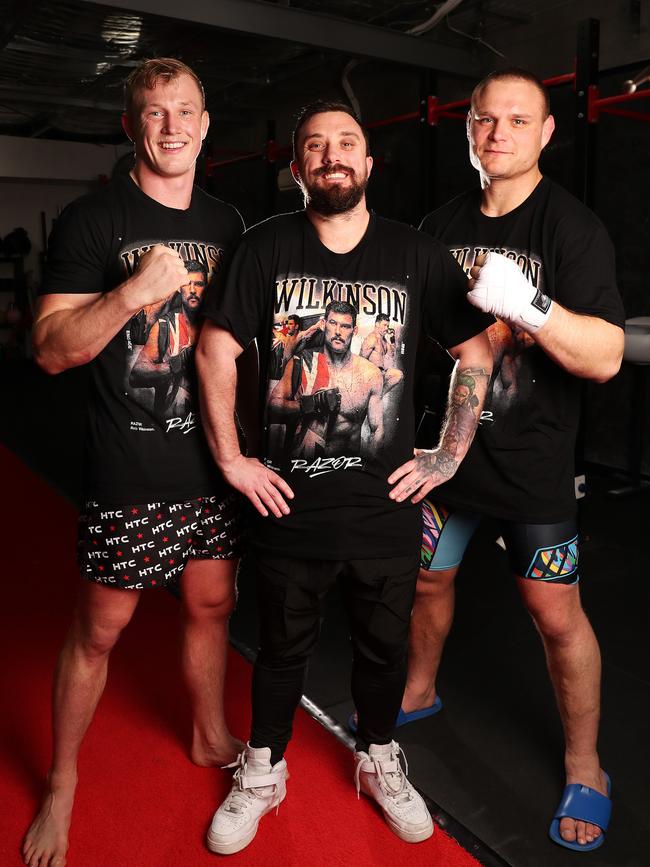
(145, 545)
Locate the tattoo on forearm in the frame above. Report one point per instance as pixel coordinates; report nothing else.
(467, 392)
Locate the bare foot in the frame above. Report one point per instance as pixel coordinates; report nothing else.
(573, 830)
(46, 841)
(209, 755)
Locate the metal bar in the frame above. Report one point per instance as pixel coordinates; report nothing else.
(624, 112)
(559, 79)
(308, 28)
(398, 118)
(621, 97)
(585, 132)
(428, 143)
(244, 158)
(459, 103)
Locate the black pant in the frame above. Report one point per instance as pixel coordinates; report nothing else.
(378, 596)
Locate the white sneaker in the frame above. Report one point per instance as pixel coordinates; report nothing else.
(379, 775)
(257, 788)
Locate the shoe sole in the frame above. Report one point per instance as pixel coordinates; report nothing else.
(214, 845)
(416, 836)
(409, 836)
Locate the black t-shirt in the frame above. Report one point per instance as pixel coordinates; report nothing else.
(144, 440)
(521, 464)
(337, 396)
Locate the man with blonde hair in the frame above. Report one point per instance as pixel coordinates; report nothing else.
(157, 511)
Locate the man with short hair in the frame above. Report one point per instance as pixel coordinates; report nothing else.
(290, 339)
(156, 509)
(550, 279)
(354, 512)
(379, 348)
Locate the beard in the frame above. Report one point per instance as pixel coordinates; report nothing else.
(335, 199)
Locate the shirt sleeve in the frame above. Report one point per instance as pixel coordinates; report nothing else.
(78, 251)
(447, 315)
(239, 298)
(585, 277)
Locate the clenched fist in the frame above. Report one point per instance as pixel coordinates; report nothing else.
(498, 286)
(160, 273)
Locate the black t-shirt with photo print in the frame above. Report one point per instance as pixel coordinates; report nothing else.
(337, 390)
(144, 441)
(520, 466)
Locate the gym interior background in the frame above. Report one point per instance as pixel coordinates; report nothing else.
(401, 64)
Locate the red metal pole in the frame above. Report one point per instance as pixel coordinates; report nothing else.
(399, 118)
(459, 103)
(560, 79)
(624, 112)
(621, 97)
(245, 158)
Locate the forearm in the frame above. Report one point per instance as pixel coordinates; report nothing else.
(584, 346)
(461, 420)
(217, 374)
(70, 337)
(247, 402)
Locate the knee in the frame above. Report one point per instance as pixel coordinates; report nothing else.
(215, 606)
(558, 623)
(98, 637)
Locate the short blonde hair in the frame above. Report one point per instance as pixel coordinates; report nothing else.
(149, 72)
(514, 72)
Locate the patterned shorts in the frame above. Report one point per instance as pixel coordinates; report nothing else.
(147, 545)
(542, 552)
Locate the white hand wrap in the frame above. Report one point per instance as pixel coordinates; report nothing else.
(502, 289)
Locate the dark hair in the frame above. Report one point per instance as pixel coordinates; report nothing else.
(295, 318)
(321, 106)
(147, 74)
(342, 307)
(381, 317)
(515, 72)
(193, 265)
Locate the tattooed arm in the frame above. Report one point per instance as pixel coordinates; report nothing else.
(467, 390)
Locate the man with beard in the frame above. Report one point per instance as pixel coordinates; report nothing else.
(379, 348)
(354, 513)
(551, 280)
(164, 363)
(328, 420)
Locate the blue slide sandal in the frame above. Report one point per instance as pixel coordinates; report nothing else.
(587, 805)
(404, 718)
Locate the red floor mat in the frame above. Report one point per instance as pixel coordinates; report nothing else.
(140, 802)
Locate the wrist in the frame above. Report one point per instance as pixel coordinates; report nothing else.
(127, 297)
(535, 314)
(230, 462)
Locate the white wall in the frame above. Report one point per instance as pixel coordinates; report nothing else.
(55, 160)
(38, 175)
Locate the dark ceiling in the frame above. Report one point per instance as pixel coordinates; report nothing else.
(62, 64)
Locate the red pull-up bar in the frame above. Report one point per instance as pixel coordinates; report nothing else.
(597, 104)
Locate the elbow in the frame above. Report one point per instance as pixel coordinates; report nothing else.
(609, 363)
(46, 361)
(606, 372)
(52, 363)
(607, 368)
